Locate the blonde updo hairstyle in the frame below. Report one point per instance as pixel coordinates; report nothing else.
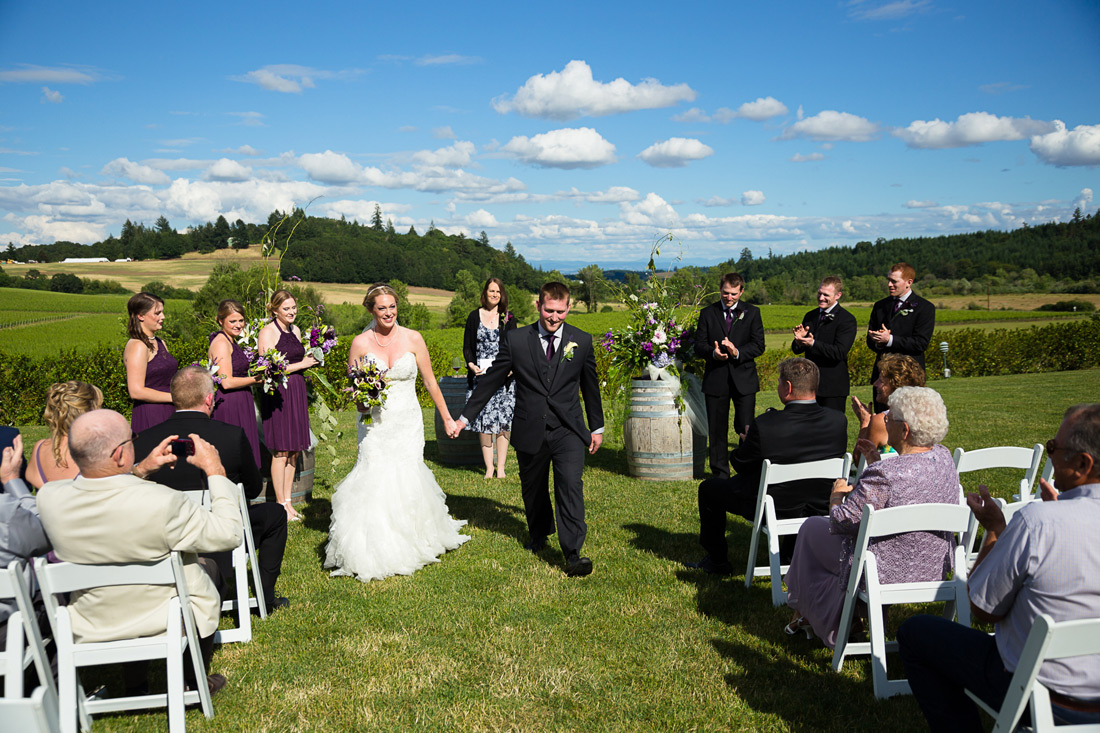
(138, 305)
(65, 402)
(277, 299)
(376, 290)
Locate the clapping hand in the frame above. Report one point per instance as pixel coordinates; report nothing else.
(728, 346)
(867, 449)
(987, 510)
(1047, 492)
(803, 336)
(862, 412)
(719, 354)
(12, 460)
(881, 336)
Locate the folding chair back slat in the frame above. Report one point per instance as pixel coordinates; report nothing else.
(1003, 456)
(34, 714)
(953, 518)
(765, 521)
(25, 644)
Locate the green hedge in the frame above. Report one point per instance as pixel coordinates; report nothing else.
(973, 353)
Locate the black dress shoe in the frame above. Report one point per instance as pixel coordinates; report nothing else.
(709, 565)
(280, 602)
(578, 567)
(537, 544)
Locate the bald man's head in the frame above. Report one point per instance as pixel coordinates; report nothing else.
(94, 437)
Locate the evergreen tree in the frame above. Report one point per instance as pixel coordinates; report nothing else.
(376, 220)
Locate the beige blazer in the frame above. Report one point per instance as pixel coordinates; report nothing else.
(127, 519)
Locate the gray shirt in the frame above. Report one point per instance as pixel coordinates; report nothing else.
(1046, 561)
(21, 533)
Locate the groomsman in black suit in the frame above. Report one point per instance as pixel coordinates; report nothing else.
(549, 361)
(901, 323)
(825, 336)
(193, 397)
(802, 431)
(729, 336)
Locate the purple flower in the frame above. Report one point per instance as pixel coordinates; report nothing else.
(295, 278)
(647, 347)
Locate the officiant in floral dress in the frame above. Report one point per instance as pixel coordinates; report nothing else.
(480, 343)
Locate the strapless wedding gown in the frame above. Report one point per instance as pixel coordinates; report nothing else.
(389, 516)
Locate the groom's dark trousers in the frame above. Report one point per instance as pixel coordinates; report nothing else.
(548, 429)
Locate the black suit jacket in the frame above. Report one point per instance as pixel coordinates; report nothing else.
(230, 440)
(546, 393)
(795, 434)
(911, 327)
(746, 333)
(833, 339)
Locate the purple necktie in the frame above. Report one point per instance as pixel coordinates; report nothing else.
(821, 318)
(729, 318)
(897, 304)
(549, 346)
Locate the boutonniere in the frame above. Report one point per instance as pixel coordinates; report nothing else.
(907, 311)
(567, 351)
(508, 316)
(830, 316)
(740, 315)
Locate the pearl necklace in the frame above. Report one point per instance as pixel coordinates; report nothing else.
(379, 340)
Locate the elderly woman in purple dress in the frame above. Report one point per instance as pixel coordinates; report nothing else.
(149, 366)
(922, 473)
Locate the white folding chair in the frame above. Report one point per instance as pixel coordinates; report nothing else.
(1005, 456)
(862, 465)
(766, 522)
(1047, 641)
(883, 523)
(24, 644)
(1047, 475)
(242, 555)
(34, 714)
(69, 577)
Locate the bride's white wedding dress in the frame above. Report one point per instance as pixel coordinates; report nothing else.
(389, 516)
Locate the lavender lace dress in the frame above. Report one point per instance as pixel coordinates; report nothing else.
(158, 375)
(236, 406)
(286, 413)
(822, 561)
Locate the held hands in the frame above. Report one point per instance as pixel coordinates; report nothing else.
(12, 459)
(456, 428)
(449, 427)
(987, 511)
(597, 441)
(881, 336)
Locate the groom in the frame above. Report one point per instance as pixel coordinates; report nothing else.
(550, 361)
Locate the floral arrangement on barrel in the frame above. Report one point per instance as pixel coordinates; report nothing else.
(657, 342)
(369, 385)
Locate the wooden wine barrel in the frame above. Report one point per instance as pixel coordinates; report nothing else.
(660, 444)
(465, 449)
(302, 489)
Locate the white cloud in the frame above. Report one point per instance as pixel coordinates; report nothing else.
(29, 73)
(249, 119)
(714, 201)
(752, 198)
(228, 170)
(330, 167)
(565, 148)
(613, 195)
(973, 128)
(291, 78)
(676, 152)
(912, 204)
(1084, 199)
(176, 164)
(762, 109)
(862, 10)
(481, 219)
(831, 125)
(136, 172)
(443, 133)
(692, 115)
(650, 211)
(42, 229)
(800, 158)
(573, 93)
(49, 95)
(243, 150)
(1062, 147)
(446, 59)
(453, 156)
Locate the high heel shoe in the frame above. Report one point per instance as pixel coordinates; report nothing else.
(799, 624)
(291, 517)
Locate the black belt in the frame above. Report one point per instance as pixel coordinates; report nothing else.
(1070, 703)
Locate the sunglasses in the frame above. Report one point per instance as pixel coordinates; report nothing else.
(131, 439)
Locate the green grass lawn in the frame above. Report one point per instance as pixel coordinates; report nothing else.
(494, 638)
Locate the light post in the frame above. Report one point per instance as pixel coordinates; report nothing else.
(946, 370)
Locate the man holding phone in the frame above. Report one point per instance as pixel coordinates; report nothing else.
(193, 397)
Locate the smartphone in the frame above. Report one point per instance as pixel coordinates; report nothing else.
(183, 447)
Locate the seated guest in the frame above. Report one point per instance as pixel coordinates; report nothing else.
(1046, 560)
(923, 473)
(895, 370)
(111, 514)
(193, 397)
(802, 431)
(65, 402)
(21, 533)
(7, 439)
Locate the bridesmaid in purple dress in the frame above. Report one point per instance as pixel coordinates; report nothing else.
(149, 366)
(234, 403)
(285, 413)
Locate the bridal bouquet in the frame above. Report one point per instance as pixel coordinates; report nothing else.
(318, 339)
(270, 368)
(249, 338)
(369, 385)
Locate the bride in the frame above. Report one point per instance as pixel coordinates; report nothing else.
(389, 516)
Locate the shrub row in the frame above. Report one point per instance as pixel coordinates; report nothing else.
(973, 353)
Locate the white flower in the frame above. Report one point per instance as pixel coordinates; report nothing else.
(567, 351)
(659, 337)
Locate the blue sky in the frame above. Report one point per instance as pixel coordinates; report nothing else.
(578, 131)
